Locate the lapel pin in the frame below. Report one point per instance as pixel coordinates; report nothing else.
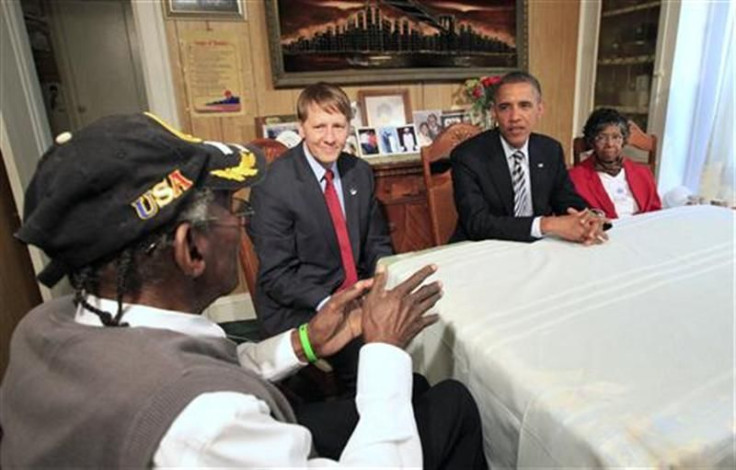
(353, 191)
(540, 165)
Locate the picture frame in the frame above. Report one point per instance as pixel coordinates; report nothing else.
(263, 121)
(428, 125)
(283, 128)
(205, 9)
(451, 117)
(385, 107)
(387, 141)
(441, 41)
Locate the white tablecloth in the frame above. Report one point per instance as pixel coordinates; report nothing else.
(619, 355)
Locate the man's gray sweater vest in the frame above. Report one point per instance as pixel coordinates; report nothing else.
(84, 396)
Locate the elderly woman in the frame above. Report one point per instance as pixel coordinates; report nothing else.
(607, 180)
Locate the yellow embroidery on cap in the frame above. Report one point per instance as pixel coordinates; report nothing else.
(179, 134)
(246, 168)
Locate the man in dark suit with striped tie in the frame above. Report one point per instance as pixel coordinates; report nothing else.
(512, 184)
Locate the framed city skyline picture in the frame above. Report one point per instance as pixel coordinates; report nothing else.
(371, 41)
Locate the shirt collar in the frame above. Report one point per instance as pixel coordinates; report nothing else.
(508, 150)
(317, 168)
(137, 315)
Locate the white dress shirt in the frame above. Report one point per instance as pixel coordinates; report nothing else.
(619, 192)
(231, 429)
(509, 151)
(319, 173)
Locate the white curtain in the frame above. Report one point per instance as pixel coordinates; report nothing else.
(710, 169)
(698, 150)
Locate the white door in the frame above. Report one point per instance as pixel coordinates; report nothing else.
(98, 58)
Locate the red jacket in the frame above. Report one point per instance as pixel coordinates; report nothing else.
(641, 182)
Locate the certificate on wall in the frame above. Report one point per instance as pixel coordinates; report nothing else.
(212, 73)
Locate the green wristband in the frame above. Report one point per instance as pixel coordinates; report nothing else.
(306, 345)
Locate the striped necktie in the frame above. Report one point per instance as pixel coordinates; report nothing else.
(521, 192)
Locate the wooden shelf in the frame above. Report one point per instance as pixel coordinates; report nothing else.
(624, 109)
(640, 59)
(631, 9)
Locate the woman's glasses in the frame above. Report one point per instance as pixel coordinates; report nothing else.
(615, 138)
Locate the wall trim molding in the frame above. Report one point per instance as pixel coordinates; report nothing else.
(154, 54)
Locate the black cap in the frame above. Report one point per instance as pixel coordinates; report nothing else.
(118, 180)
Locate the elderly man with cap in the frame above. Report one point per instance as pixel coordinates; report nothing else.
(126, 373)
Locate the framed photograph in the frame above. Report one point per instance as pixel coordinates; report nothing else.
(368, 140)
(285, 132)
(263, 121)
(408, 142)
(449, 118)
(351, 145)
(205, 9)
(428, 125)
(385, 107)
(373, 42)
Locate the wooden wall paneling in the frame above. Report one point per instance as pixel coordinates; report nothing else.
(553, 26)
(177, 75)
(440, 96)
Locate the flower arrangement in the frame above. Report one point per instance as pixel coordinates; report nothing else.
(479, 92)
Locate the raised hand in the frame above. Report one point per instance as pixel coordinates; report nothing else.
(336, 323)
(396, 316)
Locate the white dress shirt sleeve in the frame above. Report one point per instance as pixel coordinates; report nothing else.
(537, 227)
(273, 358)
(229, 429)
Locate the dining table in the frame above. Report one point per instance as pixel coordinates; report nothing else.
(615, 355)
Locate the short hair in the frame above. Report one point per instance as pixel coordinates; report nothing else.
(329, 97)
(602, 118)
(518, 76)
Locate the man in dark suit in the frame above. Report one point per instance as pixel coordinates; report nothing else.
(512, 184)
(317, 227)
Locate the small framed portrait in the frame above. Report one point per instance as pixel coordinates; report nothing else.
(380, 108)
(449, 118)
(368, 142)
(408, 142)
(205, 9)
(286, 132)
(428, 125)
(263, 121)
(351, 145)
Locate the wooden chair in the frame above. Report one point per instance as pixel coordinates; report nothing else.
(248, 259)
(638, 139)
(438, 179)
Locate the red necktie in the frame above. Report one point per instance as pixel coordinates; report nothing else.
(341, 230)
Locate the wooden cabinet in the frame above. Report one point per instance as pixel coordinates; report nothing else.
(627, 49)
(400, 188)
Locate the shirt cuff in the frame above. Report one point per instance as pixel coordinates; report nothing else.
(273, 358)
(384, 370)
(537, 227)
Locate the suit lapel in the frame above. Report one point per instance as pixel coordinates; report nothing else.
(314, 199)
(351, 197)
(498, 168)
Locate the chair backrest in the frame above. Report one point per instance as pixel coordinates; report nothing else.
(248, 259)
(638, 139)
(438, 179)
(272, 149)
